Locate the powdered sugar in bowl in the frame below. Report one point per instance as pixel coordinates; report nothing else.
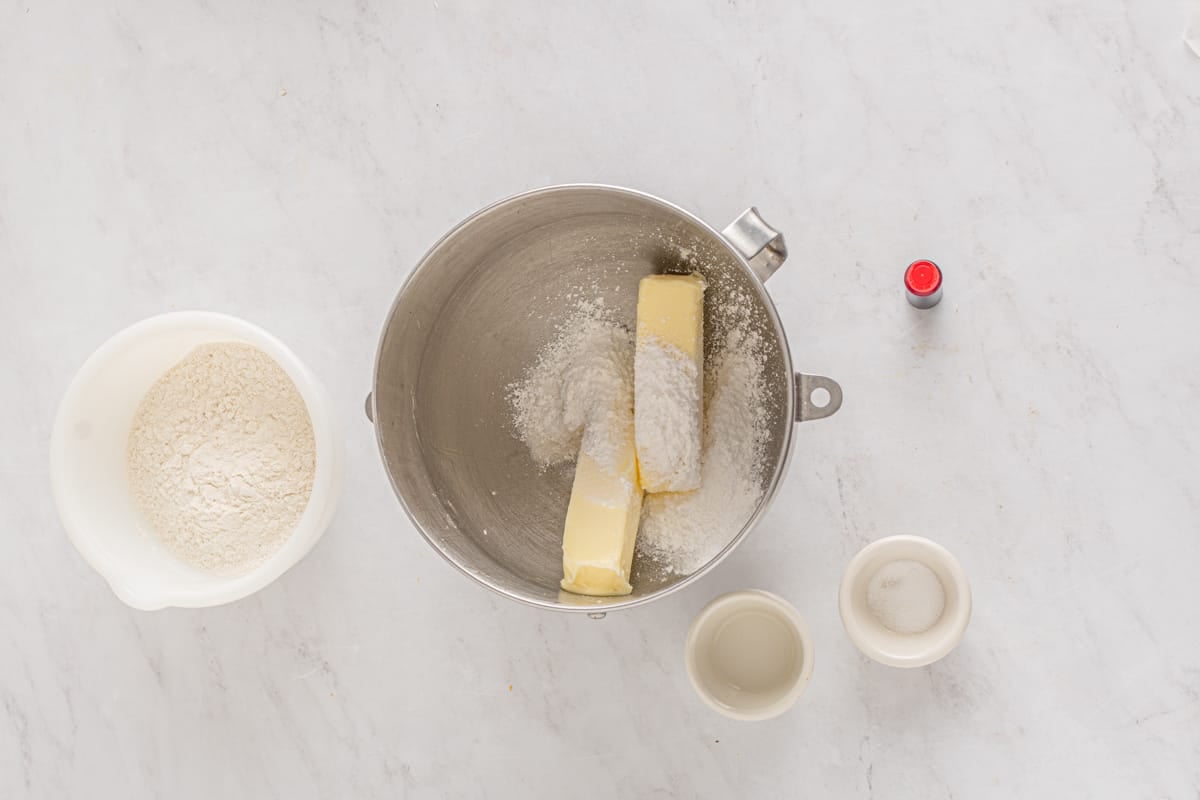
(119, 499)
(489, 301)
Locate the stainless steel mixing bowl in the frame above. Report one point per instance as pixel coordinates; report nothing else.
(473, 316)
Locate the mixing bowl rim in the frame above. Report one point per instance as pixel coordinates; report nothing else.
(598, 609)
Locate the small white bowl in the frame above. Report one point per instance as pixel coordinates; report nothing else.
(89, 467)
(749, 655)
(897, 649)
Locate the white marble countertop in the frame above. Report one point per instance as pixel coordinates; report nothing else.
(288, 162)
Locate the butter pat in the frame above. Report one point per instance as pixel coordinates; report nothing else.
(602, 523)
(668, 383)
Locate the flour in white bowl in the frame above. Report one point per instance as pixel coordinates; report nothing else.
(222, 457)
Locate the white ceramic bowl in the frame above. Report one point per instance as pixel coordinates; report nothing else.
(749, 655)
(898, 649)
(88, 463)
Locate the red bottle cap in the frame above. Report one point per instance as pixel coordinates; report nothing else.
(923, 278)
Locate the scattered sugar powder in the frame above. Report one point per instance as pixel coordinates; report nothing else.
(579, 391)
(583, 379)
(222, 457)
(667, 414)
(683, 531)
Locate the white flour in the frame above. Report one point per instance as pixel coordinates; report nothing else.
(582, 381)
(222, 457)
(588, 368)
(906, 596)
(667, 414)
(683, 531)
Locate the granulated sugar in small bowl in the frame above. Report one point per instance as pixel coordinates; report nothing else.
(194, 460)
(905, 601)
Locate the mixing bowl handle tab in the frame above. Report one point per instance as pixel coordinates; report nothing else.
(761, 245)
(370, 408)
(806, 409)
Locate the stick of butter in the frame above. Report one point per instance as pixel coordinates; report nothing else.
(602, 523)
(668, 382)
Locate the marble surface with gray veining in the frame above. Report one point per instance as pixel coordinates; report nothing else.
(289, 162)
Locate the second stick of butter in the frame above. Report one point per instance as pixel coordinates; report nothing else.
(668, 383)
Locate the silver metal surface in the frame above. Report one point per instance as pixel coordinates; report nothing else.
(806, 409)
(924, 301)
(761, 245)
(473, 316)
